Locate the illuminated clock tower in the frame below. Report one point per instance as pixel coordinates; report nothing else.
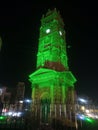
(52, 82)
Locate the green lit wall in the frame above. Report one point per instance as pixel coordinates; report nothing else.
(52, 43)
(52, 78)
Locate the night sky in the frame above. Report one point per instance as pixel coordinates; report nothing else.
(19, 29)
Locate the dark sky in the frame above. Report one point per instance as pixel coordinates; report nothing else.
(19, 28)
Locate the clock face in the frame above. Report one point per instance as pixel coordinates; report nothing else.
(48, 31)
(60, 32)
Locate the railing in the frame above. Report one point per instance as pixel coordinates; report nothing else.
(12, 123)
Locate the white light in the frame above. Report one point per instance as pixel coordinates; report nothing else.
(9, 113)
(14, 114)
(82, 100)
(81, 116)
(60, 32)
(21, 101)
(28, 100)
(87, 111)
(48, 31)
(19, 114)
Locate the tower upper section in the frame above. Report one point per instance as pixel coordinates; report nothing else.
(52, 42)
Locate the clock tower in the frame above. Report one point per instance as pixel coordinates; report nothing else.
(52, 82)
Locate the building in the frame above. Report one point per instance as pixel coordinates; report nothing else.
(52, 82)
(12, 98)
(5, 97)
(20, 96)
(20, 91)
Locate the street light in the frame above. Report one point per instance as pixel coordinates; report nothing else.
(82, 100)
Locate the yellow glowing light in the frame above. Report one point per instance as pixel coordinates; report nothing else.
(82, 108)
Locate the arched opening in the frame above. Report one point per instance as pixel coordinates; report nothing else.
(45, 107)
